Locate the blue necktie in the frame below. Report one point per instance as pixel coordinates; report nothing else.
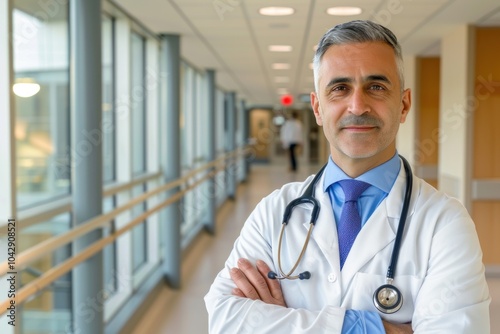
(350, 222)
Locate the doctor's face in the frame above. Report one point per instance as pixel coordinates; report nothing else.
(360, 103)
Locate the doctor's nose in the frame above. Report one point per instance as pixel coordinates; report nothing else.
(358, 103)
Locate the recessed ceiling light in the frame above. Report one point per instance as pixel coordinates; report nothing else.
(344, 11)
(276, 11)
(280, 48)
(281, 66)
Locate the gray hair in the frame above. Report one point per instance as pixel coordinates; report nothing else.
(357, 32)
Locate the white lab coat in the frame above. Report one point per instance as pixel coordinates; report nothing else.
(440, 270)
(291, 133)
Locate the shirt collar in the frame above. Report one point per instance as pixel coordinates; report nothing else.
(382, 176)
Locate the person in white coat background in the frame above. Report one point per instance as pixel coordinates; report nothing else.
(291, 137)
(359, 100)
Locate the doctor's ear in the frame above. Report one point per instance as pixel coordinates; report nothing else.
(316, 108)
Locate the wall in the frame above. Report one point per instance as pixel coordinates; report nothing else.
(457, 65)
(428, 119)
(486, 147)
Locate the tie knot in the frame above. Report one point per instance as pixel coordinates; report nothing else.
(353, 189)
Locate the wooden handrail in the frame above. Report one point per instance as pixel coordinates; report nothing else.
(55, 272)
(34, 253)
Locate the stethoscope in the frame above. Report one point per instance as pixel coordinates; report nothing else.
(387, 298)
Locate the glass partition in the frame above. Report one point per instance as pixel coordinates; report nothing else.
(41, 90)
(138, 104)
(220, 179)
(51, 309)
(108, 112)
(109, 252)
(139, 233)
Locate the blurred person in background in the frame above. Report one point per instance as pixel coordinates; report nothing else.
(291, 138)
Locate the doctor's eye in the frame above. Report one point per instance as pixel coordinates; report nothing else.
(377, 87)
(339, 88)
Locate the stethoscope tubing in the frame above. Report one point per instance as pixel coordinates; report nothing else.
(380, 299)
(307, 197)
(304, 247)
(402, 220)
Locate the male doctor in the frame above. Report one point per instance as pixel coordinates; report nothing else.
(359, 100)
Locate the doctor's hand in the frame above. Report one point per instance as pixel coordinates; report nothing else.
(252, 282)
(392, 328)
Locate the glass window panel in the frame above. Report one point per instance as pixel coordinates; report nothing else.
(187, 118)
(201, 118)
(138, 104)
(188, 141)
(139, 233)
(108, 146)
(219, 144)
(219, 140)
(51, 310)
(200, 201)
(42, 134)
(109, 252)
(108, 119)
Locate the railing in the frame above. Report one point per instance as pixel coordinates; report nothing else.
(25, 258)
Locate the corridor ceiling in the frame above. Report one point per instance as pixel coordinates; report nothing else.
(231, 37)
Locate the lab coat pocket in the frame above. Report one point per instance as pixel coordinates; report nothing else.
(365, 285)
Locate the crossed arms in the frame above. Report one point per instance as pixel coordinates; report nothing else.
(253, 283)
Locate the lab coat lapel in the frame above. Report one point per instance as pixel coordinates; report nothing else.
(378, 232)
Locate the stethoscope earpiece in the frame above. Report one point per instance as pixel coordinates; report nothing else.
(305, 275)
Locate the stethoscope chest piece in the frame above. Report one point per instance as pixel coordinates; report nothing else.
(388, 299)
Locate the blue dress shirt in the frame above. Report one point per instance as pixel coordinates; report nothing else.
(382, 179)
